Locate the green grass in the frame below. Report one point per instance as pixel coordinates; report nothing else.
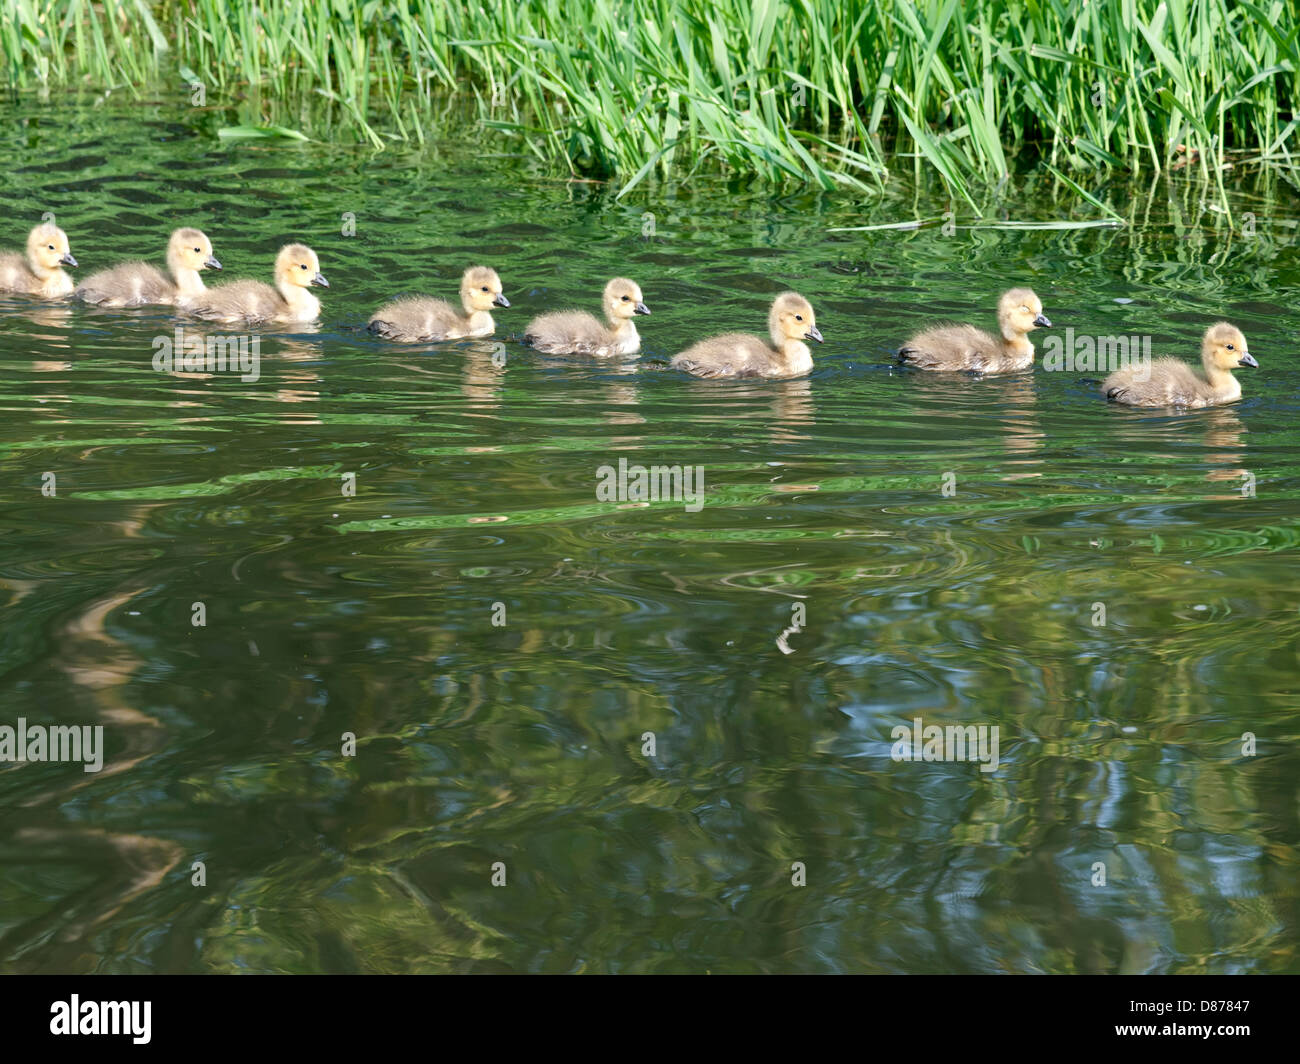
(827, 92)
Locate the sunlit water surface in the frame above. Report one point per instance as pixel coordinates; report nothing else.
(477, 742)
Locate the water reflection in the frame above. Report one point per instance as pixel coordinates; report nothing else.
(500, 641)
(53, 315)
(1223, 440)
(483, 370)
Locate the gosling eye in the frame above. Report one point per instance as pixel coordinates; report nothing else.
(50, 246)
(798, 317)
(625, 299)
(1231, 348)
(197, 251)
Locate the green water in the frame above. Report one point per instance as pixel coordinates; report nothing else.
(521, 743)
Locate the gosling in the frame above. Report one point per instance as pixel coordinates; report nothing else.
(576, 332)
(255, 303)
(790, 322)
(424, 320)
(136, 284)
(1172, 382)
(40, 272)
(964, 347)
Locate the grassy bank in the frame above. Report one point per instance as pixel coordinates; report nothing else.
(832, 92)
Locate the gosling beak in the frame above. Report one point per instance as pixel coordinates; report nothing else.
(814, 333)
(501, 301)
(66, 259)
(1248, 360)
(1042, 322)
(320, 280)
(211, 263)
(640, 308)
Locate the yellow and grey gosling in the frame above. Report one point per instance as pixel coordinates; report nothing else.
(40, 271)
(1172, 382)
(424, 320)
(789, 323)
(255, 303)
(135, 284)
(964, 347)
(575, 332)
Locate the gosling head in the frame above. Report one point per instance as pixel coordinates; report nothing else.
(792, 318)
(190, 249)
(1224, 347)
(298, 266)
(1019, 312)
(47, 249)
(623, 299)
(480, 289)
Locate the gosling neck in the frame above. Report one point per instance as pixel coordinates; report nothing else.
(476, 321)
(1223, 382)
(622, 328)
(188, 281)
(1017, 344)
(795, 356)
(304, 305)
(54, 282)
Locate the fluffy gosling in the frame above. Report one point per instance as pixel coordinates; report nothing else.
(575, 332)
(424, 320)
(39, 272)
(135, 284)
(1172, 382)
(964, 347)
(790, 322)
(289, 303)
